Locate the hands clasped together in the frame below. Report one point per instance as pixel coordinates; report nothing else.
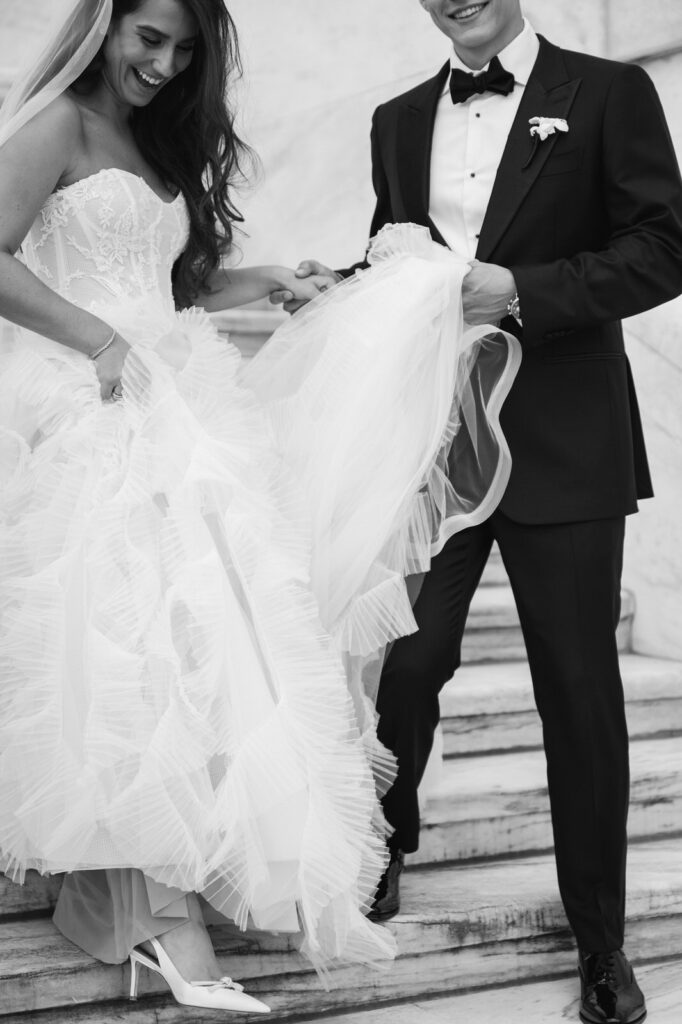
(307, 281)
(486, 292)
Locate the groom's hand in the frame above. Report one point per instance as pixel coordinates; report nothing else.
(309, 268)
(486, 291)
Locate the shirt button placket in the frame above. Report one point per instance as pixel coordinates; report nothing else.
(473, 158)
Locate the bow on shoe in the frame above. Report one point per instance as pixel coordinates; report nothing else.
(464, 84)
(222, 983)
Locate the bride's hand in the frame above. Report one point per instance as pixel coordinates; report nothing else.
(109, 367)
(298, 287)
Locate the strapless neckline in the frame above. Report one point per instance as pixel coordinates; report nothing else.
(107, 237)
(127, 174)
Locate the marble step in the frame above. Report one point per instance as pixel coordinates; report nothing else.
(494, 573)
(532, 1003)
(489, 707)
(36, 897)
(497, 805)
(461, 927)
(493, 632)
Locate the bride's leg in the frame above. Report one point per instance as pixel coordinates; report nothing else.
(189, 946)
(107, 913)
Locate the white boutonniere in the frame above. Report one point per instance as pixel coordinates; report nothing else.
(543, 127)
(540, 129)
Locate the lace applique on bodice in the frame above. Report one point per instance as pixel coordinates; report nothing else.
(108, 237)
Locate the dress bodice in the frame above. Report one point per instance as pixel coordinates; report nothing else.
(107, 238)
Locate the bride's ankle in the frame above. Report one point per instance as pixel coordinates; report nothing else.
(190, 949)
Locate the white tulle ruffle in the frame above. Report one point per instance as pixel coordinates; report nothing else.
(170, 699)
(184, 690)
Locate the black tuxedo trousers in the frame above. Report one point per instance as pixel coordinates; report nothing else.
(566, 583)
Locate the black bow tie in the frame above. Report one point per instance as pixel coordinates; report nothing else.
(495, 79)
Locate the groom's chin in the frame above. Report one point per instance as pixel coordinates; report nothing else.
(467, 23)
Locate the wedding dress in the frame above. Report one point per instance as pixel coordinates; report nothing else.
(194, 579)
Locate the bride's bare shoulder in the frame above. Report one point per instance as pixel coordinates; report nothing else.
(63, 116)
(58, 128)
(35, 158)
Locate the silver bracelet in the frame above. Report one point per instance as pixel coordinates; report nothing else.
(105, 346)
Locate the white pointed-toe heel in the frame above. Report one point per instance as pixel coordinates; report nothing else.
(211, 995)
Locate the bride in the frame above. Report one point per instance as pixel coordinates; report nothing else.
(200, 565)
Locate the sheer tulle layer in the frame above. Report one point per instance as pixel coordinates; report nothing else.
(78, 31)
(385, 409)
(170, 700)
(108, 912)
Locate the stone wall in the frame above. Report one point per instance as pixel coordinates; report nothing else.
(653, 566)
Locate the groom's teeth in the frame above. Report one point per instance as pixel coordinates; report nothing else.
(467, 12)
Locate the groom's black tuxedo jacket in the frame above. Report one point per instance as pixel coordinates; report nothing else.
(590, 224)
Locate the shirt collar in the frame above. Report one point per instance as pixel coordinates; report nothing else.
(519, 56)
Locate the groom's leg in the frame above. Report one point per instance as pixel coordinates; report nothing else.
(417, 668)
(566, 581)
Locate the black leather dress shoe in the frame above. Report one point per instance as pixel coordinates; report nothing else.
(610, 994)
(387, 900)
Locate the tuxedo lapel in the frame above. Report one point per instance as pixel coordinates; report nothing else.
(416, 119)
(549, 93)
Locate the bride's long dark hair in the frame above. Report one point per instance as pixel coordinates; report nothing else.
(187, 135)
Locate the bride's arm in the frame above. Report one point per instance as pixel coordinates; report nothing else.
(230, 288)
(32, 164)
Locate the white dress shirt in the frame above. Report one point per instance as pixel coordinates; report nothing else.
(468, 142)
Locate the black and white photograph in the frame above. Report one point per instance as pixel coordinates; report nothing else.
(340, 533)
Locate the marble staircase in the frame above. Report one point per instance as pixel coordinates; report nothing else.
(529, 1003)
(481, 933)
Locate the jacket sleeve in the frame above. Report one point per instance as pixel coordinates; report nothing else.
(641, 266)
(382, 211)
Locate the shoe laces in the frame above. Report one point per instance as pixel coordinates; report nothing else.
(222, 983)
(605, 970)
(604, 984)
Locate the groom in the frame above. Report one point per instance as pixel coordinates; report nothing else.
(573, 226)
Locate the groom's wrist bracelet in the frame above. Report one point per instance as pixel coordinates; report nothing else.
(514, 309)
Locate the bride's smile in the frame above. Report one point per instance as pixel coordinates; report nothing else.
(147, 48)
